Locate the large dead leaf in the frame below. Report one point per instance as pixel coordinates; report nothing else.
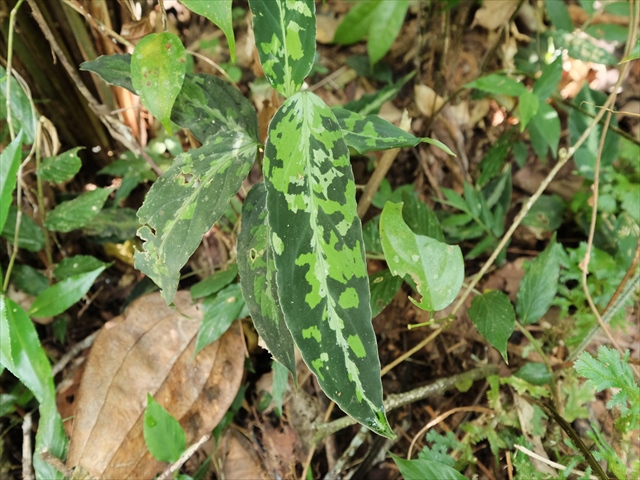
(150, 349)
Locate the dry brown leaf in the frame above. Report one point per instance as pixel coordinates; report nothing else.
(493, 15)
(241, 459)
(150, 349)
(427, 100)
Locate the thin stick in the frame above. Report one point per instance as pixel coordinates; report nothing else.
(415, 349)
(551, 463)
(386, 160)
(442, 417)
(188, 453)
(73, 352)
(27, 465)
(99, 26)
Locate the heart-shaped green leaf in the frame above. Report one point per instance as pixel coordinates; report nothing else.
(158, 66)
(435, 267)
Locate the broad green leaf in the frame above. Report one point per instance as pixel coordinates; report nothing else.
(22, 354)
(316, 237)
(279, 386)
(77, 213)
(534, 373)
(544, 130)
(384, 286)
(158, 66)
(218, 313)
(23, 116)
(29, 280)
(258, 278)
(370, 133)
(114, 69)
(498, 84)
(207, 105)
(539, 286)
(582, 47)
(356, 24)
(419, 469)
(528, 106)
(163, 434)
(214, 283)
(77, 265)
(133, 171)
(9, 164)
(558, 14)
(62, 167)
(546, 214)
(435, 267)
(59, 297)
(493, 316)
(114, 224)
(285, 32)
(419, 217)
(219, 12)
(385, 27)
(549, 80)
(30, 236)
(186, 201)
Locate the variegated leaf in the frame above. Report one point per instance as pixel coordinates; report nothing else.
(285, 32)
(316, 237)
(186, 201)
(258, 278)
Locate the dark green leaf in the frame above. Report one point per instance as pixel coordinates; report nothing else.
(493, 316)
(493, 161)
(62, 167)
(558, 14)
(534, 373)
(437, 268)
(113, 69)
(186, 201)
(30, 236)
(219, 12)
(29, 280)
(77, 265)
(371, 103)
(59, 297)
(420, 218)
(218, 313)
(316, 237)
(549, 80)
(158, 66)
(115, 225)
(77, 213)
(546, 214)
(539, 286)
(22, 354)
(384, 286)
(163, 434)
(371, 236)
(280, 380)
(133, 172)
(23, 116)
(498, 84)
(258, 278)
(214, 283)
(9, 164)
(544, 129)
(285, 34)
(528, 106)
(426, 470)
(355, 25)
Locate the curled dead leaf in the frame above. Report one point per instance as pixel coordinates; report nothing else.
(150, 349)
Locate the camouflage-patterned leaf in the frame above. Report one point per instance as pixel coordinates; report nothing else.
(207, 105)
(158, 66)
(186, 201)
(258, 278)
(219, 12)
(62, 167)
(285, 33)
(437, 268)
(316, 237)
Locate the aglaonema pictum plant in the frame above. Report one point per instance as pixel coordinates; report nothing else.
(300, 250)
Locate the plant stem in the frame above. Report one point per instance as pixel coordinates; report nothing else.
(401, 399)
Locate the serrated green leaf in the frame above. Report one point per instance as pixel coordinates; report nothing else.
(258, 278)
(285, 34)
(207, 105)
(186, 201)
(538, 286)
(535, 373)
(370, 133)
(419, 469)
(219, 12)
(62, 167)
(30, 236)
(59, 297)
(114, 69)
(218, 313)
(77, 265)
(316, 237)
(158, 67)
(493, 316)
(77, 213)
(437, 268)
(115, 224)
(384, 286)
(22, 354)
(163, 434)
(214, 283)
(9, 164)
